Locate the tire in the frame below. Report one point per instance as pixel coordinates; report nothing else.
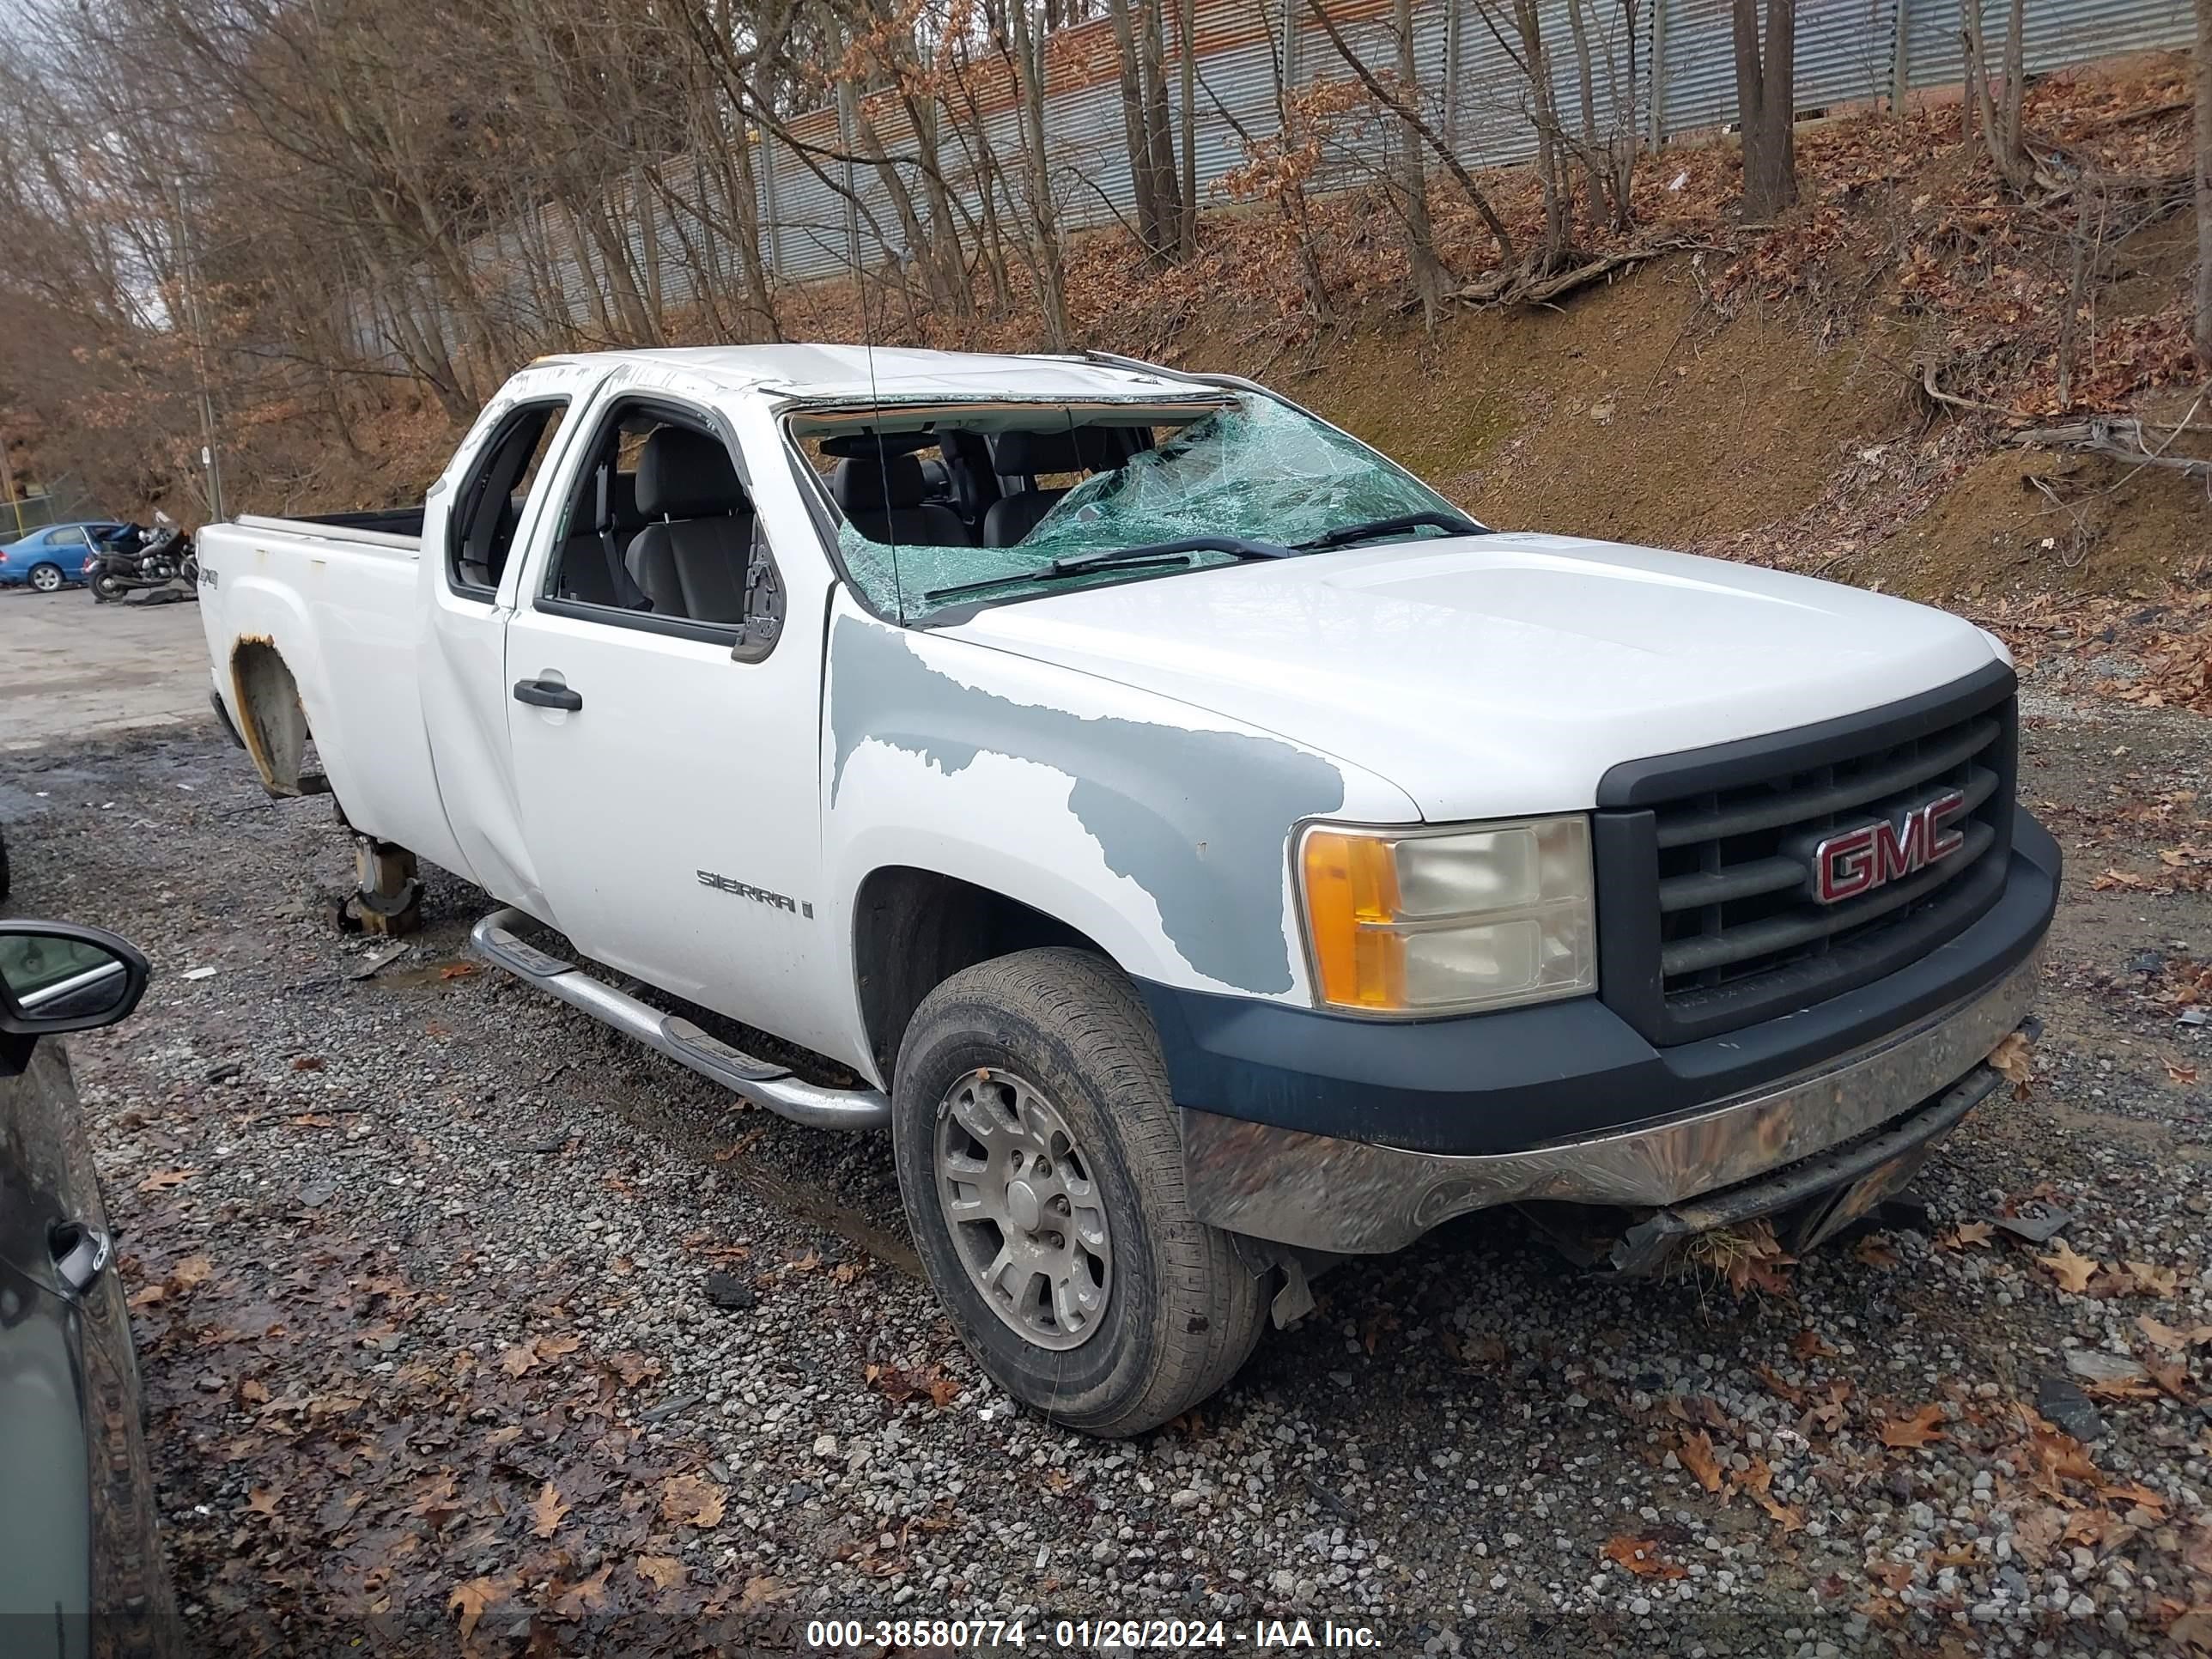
(106, 590)
(47, 578)
(1180, 1310)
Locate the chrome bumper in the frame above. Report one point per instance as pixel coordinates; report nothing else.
(1349, 1197)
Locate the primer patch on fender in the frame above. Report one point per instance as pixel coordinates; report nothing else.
(1196, 818)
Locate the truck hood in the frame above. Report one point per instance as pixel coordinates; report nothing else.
(1502, 675)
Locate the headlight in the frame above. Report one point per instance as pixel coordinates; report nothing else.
(1442, 921)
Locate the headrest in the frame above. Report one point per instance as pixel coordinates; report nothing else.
(879, 484)
(684, 474)
(1070, 449)
(864, 446)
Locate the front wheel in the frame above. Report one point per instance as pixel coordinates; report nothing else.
(106, 589)
(1042, 1170)
(47, 578)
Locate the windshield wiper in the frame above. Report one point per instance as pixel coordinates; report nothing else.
(1451, 522)
(1121, 558)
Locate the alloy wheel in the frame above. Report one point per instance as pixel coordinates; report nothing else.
(1023, 1209)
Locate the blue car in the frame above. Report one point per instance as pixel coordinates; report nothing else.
(45, 559)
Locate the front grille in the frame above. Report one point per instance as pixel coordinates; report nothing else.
(1706, 915)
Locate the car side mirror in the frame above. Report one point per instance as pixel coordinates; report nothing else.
(57, 976)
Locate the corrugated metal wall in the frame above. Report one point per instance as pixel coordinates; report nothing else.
(1667, 65)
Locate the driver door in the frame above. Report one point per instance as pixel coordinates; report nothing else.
(665, 756)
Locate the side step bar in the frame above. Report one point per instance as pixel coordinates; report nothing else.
(760, 1081)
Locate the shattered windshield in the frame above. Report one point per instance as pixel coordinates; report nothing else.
(1254, 471)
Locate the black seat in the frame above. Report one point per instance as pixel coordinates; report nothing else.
(689, 559)
(884, 497)
(1030, 455)
(591, 564)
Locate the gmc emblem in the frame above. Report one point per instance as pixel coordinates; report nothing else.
(1855, 862)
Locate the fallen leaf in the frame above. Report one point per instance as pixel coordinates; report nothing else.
(1892, 1575)
(2072, 1270)
(661, 1572)
(162, 1180)
(1917, 1430)
(2178, 1071)
(520, 1359)
(1779, 1386)
(2171, 1337)
(1876, 1251)
(2153, 1280)
(758, 1593)
(1696, 1453)
(262, 1501)
(1641, 1557)
(586, 1596)
(547, 1512)
(472, 1598)
(691, 1500)
(253, 1392)
(1811, 1345)
(1792, 1518)
(308, 1063)
(457, 970)
(192, 1272)
(942, 1390)
(2010, 1060)
(1966, 1234)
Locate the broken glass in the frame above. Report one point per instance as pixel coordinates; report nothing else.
(1260, 470)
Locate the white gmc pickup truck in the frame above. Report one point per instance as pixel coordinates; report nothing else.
(1208, 851)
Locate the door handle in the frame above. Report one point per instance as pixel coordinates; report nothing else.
(547, 693)
(81, 1254)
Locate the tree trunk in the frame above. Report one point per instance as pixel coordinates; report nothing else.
(1159, 128)
(2204, 187)
(1188, 29)
(1428, 274)
(2000, 124)
(1044, 224)
(1766, 85)
(1135, 136)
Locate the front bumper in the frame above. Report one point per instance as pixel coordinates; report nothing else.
(1352, 1197)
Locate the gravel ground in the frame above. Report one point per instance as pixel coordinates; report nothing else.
(464, 1320)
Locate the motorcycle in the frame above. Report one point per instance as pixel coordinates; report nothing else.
(144, 558)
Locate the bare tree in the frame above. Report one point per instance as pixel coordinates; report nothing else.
(1766, 90)
(2203, 70)
(1999, 120)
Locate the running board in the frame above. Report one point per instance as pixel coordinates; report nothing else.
(760, 1081)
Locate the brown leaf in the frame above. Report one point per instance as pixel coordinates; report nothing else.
(1696, 1453)
(191, 1273)
(661, 1572)
(1965, 1234)
(1780, 1386)
(2153, 1281)
(1792, 1518)
(585, 1596)
(759, 1593)
(520, 1359)
(1811, 1345)
(2010, 1060)
(457, 970)
(163, 1180)
(942, 1390)
(691, 1500)
(2173, 1338)
(1917, 1430)
(308, 1063)
(2072, 1270)
(2178, 1071)
(472, 1598)
(1641, 1557)
(547, 1512)
(261, 1500)
(1876, 1251)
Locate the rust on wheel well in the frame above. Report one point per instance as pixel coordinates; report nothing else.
(271, 717)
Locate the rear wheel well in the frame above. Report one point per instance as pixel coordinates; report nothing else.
(271, 717)
(913, 929)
